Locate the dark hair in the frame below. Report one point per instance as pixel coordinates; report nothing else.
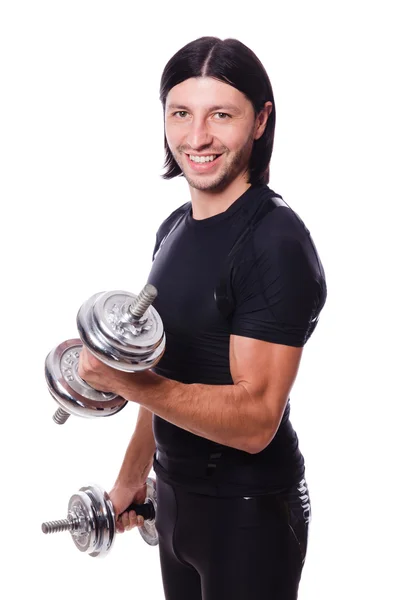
(234, 63)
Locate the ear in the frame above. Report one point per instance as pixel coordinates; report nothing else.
(261, 120)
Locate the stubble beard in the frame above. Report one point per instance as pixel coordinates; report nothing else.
(238, 165)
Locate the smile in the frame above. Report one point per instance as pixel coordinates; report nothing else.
(203, 159)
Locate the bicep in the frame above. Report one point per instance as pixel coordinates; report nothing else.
(267, 371)
(278, 292)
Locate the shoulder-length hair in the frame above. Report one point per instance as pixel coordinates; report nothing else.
(234, 63)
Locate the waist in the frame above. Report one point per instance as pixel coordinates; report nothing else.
(218, 475)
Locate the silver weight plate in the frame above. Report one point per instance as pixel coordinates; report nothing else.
(85, 537)
(70, 391)
(107, 329)
(110, 312)
(148, 530)
(104, 517)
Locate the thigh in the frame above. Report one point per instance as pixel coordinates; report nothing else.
(244, 547)
(180, 580)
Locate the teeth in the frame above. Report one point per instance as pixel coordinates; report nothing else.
(202, 159)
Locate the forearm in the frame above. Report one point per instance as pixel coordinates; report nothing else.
(225, 414)
(138, 459)
(245, 415)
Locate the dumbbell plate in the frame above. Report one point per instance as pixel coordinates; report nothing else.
(105, 519)
(94, 511)
(70, 391)
(85, 535)
(93, 507)
(148, 530)
(110, 333)
(108, 311)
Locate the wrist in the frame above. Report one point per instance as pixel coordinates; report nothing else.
(135, 472)
(131, 386)
(134, 478)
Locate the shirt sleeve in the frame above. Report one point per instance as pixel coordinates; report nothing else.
(279, 288)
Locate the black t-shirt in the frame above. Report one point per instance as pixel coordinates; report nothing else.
(278, 288)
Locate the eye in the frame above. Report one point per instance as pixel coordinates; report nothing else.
(222, 116)
(180, 113)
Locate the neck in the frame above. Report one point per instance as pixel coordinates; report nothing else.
(207, 204)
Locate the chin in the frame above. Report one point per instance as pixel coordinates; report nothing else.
(215, 184)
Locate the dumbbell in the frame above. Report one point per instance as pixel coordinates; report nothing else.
(123, 331)
(91, 519)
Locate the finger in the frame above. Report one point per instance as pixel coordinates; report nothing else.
(119, 526)
(129, 520)
(133, 522)
(125, 521)
(140, 521)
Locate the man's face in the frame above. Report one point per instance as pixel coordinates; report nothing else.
(210, 128)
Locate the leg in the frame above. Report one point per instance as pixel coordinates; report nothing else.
(180, 580)
(244, 548)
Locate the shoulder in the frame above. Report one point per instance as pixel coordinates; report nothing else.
(272, 217)
(283, 233)
(279, 283)
(172, 219)
(167, 225)
(282, 223)
(282, 250)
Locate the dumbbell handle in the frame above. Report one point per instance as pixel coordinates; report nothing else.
(145, 510)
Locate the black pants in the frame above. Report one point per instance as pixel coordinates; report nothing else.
(214, 548)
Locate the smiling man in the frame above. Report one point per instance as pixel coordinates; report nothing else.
(240, 289)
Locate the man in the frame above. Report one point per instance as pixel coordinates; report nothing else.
(240, 288)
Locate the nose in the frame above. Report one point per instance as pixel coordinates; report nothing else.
(199, 135)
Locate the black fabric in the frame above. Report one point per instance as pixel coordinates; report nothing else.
(224, 296)
(274, 286)
(232, 548)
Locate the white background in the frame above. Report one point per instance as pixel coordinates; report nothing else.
(81, 144)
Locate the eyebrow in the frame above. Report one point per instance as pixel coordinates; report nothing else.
(218, 107)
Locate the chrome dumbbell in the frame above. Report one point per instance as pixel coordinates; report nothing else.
(122, 330)
(91, 519)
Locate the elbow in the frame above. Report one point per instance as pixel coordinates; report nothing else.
(255, 448)
(258, 443)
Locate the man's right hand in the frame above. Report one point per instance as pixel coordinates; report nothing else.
(121, 497)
